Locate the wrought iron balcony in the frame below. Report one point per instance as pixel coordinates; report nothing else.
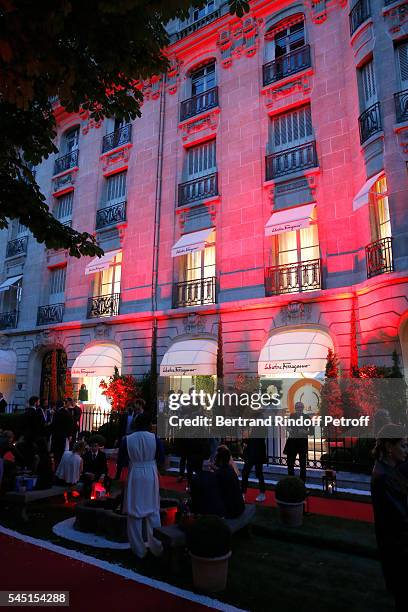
(103, 306)
(288, 64)
(194, 292)
(199, 103)
(370, 122)
(379, 257)
(401, 105)
(196, 25)
(293, 278)
(8, 320)
(52, 313)
(291, 160)
(17, 247)
(111, 216)
(117, 138)
(198, 189)
(66, 162)
(360, 12)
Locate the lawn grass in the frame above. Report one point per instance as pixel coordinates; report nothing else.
(271, 570)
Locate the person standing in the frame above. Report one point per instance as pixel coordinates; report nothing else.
(389, 494)
(254, 456)
(31, 422)
(297, 444)
(62, 428)
(3, 404)
(142, 499)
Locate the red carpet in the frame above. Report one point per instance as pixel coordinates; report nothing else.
(29, 567)
(341, 508)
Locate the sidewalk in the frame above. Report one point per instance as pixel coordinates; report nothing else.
(30, 564)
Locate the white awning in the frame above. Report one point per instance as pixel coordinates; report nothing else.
(362, 196)
(295, 353)
(289, 219)
(197, 356)
(189, 243)
(101, 263)
(97, 360)
(10, 282)
(8, 362)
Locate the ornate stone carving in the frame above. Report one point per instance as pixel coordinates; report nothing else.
(102, 331)
(396, 19)
(48, 338)
(240, 38)
(4, 341)
(208, 121)
(296, 311)
(298, 84)
(173, 75)
(319, 11)
(117, 159)
(193, 324)
(65, 182)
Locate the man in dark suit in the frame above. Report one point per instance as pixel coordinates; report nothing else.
(3, 404)
(62, 428)
(297, 445)
(31, 423)
(95, 467)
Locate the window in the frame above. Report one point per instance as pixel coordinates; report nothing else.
(199, 265)
(199, 13)
(108, 281)
(57, 285)
(197, 283)
(115, 189)
(402, 65)
(203, 79)
(380, 212)
(281, 40)
(10, 299)
(201, 160)
(297, 246)
(70, 140)
(63, 207)
(292, 129)
(368, 88)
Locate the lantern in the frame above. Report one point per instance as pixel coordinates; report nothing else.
(329, 482)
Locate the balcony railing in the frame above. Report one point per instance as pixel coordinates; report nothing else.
(117, 138)
(111, 215)
(286, 65)
(401, 105)
(103, 306)
(17, 247)
(8, 320)
(291, 160)
(358, 14)
(51, 313)
(199, 103)
(370, 122)
(379, 257)
(196, 25)
(66, 162)
(293, 278)
(198, 189)
(194, 292)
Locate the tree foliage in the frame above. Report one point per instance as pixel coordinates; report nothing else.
(91, 55)
(121, 389)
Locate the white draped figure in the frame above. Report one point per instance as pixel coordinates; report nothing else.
(142, 499)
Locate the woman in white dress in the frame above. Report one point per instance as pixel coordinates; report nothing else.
(142, 499)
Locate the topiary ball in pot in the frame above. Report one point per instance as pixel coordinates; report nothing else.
(209, 543)
(290, 494)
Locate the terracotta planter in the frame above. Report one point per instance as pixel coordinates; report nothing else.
(210, 575)
(291, 514)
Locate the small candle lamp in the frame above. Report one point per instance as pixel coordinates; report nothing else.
(329, 482)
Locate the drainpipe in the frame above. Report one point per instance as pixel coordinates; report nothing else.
(158, 197)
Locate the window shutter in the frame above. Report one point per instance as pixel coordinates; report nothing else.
(201, 160)
(293, 128)
(115, 189)
(403, 64)
(368, 84)
(63, 209)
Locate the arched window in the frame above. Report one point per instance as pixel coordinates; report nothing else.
(201, 91)
(286, 51)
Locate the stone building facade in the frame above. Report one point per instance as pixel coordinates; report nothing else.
(264, 186)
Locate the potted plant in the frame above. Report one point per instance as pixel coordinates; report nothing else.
(290, 496)
(209, 544)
